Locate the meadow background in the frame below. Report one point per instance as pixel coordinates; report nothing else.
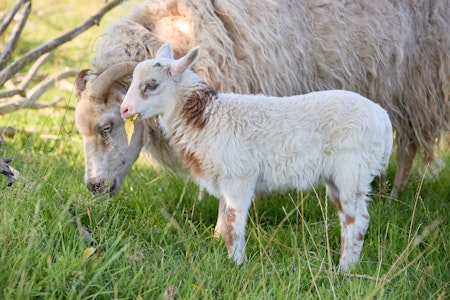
(155, 240)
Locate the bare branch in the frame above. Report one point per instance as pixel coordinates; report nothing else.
(33, 70)
(31, 55)
(7, 131)
(11, 15)
(10, 93)
(5, 169)
(14, 37)
(37, 91)
(20, 90)
(45, 105)
(82, 230)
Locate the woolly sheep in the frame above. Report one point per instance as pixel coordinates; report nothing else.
(237, 145)
(396, 53)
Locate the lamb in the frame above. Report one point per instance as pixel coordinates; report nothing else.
(237, 145)
(396, 53)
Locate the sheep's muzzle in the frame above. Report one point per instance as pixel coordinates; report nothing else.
(100, 187)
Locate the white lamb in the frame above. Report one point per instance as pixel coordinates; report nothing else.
(239, 145)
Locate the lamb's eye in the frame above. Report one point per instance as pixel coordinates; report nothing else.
(150, 87)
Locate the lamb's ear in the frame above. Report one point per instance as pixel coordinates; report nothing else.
(179, 66)
(165, 51)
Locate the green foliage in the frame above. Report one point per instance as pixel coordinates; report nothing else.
(154, 235)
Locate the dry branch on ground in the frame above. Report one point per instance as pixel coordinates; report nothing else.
(5, 169)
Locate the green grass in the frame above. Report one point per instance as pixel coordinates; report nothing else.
(154, 235)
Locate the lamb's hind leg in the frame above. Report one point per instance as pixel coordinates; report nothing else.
(353, 230)
(220, 217)
(354, 221)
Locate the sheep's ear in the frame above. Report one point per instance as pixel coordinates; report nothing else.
(179, 66)
(80, 82)
(165, 51)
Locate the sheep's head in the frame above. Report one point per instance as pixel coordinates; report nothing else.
(108, 158)
(155, 84)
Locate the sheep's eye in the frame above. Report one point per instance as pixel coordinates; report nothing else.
(106, 129)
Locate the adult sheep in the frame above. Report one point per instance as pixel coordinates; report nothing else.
(396, 53)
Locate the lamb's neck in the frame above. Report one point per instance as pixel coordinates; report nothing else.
(192, 107)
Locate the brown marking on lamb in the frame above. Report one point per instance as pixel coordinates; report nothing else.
(228, 234)
(349, 220)
(337, 202)
(194, 106)
(361, 237)
(190, 158)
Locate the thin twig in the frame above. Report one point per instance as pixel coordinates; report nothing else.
(39, 89)
(14, 37)
(33, 70)
(367, 277)
(33, 54)
(11, 15)
(5, 170)
(82, 230)
(25, 81)
(10, 93)
(46, 105)
(35, 93)
(75, 221)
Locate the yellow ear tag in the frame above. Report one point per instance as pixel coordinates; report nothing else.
(129, 127)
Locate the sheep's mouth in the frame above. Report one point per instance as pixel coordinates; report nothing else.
(103, 187)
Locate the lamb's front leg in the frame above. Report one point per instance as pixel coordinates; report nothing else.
(234, 223)
(236, 203)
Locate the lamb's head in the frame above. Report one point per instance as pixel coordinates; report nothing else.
(155, 84)
(108, 158)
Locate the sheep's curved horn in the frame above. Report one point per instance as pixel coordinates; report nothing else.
(100, 86)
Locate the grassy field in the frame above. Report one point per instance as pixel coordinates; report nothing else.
(155, 240)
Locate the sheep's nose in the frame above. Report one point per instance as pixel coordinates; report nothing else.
(99, 187)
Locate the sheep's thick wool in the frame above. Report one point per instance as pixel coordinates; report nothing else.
(396, 53)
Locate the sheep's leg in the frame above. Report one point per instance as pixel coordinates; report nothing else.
(218, 231)
(405, 159)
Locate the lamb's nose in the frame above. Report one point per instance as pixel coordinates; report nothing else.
(124, 111)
